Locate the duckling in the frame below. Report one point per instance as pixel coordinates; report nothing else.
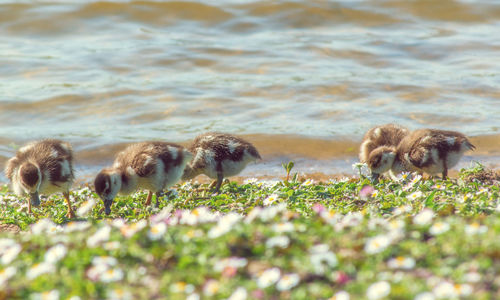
(153, 165)
(219, 155)
(377, 140)
(425, 150)
(42, 167)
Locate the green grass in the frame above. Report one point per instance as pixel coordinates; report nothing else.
(270, 240)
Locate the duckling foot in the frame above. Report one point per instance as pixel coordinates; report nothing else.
(70, 214)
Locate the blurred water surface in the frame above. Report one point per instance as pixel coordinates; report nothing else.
(304, 79)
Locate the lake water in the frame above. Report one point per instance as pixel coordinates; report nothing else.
(302, 79)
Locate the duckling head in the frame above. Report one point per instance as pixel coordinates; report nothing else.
(381, 160)
(30, 179)
(190, 172)
(107, 185)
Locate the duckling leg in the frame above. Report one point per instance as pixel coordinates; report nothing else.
(220, 177)
(70, 214)
(445, 170)
(148, 199)
(159, 194)
(29, 207)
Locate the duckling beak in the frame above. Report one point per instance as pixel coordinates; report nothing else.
(107, 206)
(35, 199)
(374, 177)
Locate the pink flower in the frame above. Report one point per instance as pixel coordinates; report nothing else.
(318, 208)
(366, 192)
(341, 277)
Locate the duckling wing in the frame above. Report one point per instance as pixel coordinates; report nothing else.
(144, 165)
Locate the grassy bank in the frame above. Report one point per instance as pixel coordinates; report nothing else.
(293, 239)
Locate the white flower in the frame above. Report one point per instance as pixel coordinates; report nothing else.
(211, 288)
(157, 231)
(439, 228)
(114, 245)
(7, 274)
(378, 290)
(104, 260)
(9, 253)
(444, 290)
(101, 235)
(86, 207)
(39, 269)
(308, 182)
(119, 294)
(402, 210)
(45, 226)
(111, 275)
(130, 230)
(472, 277)
(283, 227)
(193, 296)
(287, 282)
(377, 244)
(250, 180)
(482, 190)
(401, 262)
(415, 195)
(270, 199)
(424, 217)
(239, 294)
(463, 289)
(425, 296)
(49, 295)
(475, 228)
(231, 262)
(76, 226)
(56, 253)
(181, 287)
(322, 258)
(278, 241)
(225, 224)
(341, 295)
(268, 278)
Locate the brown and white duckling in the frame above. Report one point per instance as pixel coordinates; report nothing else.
(42, 167)
(219, 155)
(427, 150)
(153, 166)
(380, 139)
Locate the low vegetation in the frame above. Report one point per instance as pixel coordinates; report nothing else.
(290, 239)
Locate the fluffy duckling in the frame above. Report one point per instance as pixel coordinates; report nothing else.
(154, 166)
(42, 167)
(426, 150)
(379, 139)
(219, 155)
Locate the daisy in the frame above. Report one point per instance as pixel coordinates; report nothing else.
(475, 228)
(424, 217)
(130, 230)
(415, 195)
(76, 226)
(9, 253)
(402, 210)
(444, 290)
(401, 262)
(278, 241)
(157, 231)
(231, 262)
(39, 269)
(7, 274)
(104, 260)
(377, 244)
(322, 258)
(101, 235)
(86, 207)
(425, 296)
(378, 290)
(211, 288)
(56, 253)
(271, 199)
(439, 228)
(268, 278)
(308, 182)
(111, 275)
(287, 282)
(283, 227)
(182, 287)
(341, 295)
(119, 294)
(49, 295)
(463, 289)
(239, 294)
